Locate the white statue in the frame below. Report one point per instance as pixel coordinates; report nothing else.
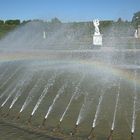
(97, 37)
(136, 34)
(44, 35)
(96, 24)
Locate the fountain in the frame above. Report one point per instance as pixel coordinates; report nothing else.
(25, 83)
(134, 115)
(97, 37)
(31, 94)
(45, 91)
(81, 113)
(115, 111)
(56, 97)
(61, 90)
(96, 116)
(48, 85)
(76, 91)
(8, 80)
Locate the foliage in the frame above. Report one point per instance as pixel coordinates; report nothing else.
(55, 21)
(1, 22)
(12, 22)
(136, 19)
(79, 29)
(25, 21)
(119, 20)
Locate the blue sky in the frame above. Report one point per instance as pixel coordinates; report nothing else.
(68, 10)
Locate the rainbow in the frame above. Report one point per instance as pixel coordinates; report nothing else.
(99, 65)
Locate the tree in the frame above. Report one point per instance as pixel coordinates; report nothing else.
(55, 21)
(136, 19)
(119, 20)
(1, 22)
(25, 21)
(12, 22)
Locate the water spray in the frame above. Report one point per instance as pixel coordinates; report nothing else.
(114, 116)
(62, 117)
(12, 75)
(18, 94)
(133, 116)
(50, 83)
(25, 104)
(5, 101)
(61, 90)
(30, 96)
(97, 111)
(134, 105)
(78, 120)
(80, 116)
(135, 100)
(17, 87)
(96, 116)
(3, 74)
(77, 90)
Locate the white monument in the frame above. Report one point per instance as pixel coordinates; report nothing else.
(44, 35)
(136, 34)
(97, 37)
